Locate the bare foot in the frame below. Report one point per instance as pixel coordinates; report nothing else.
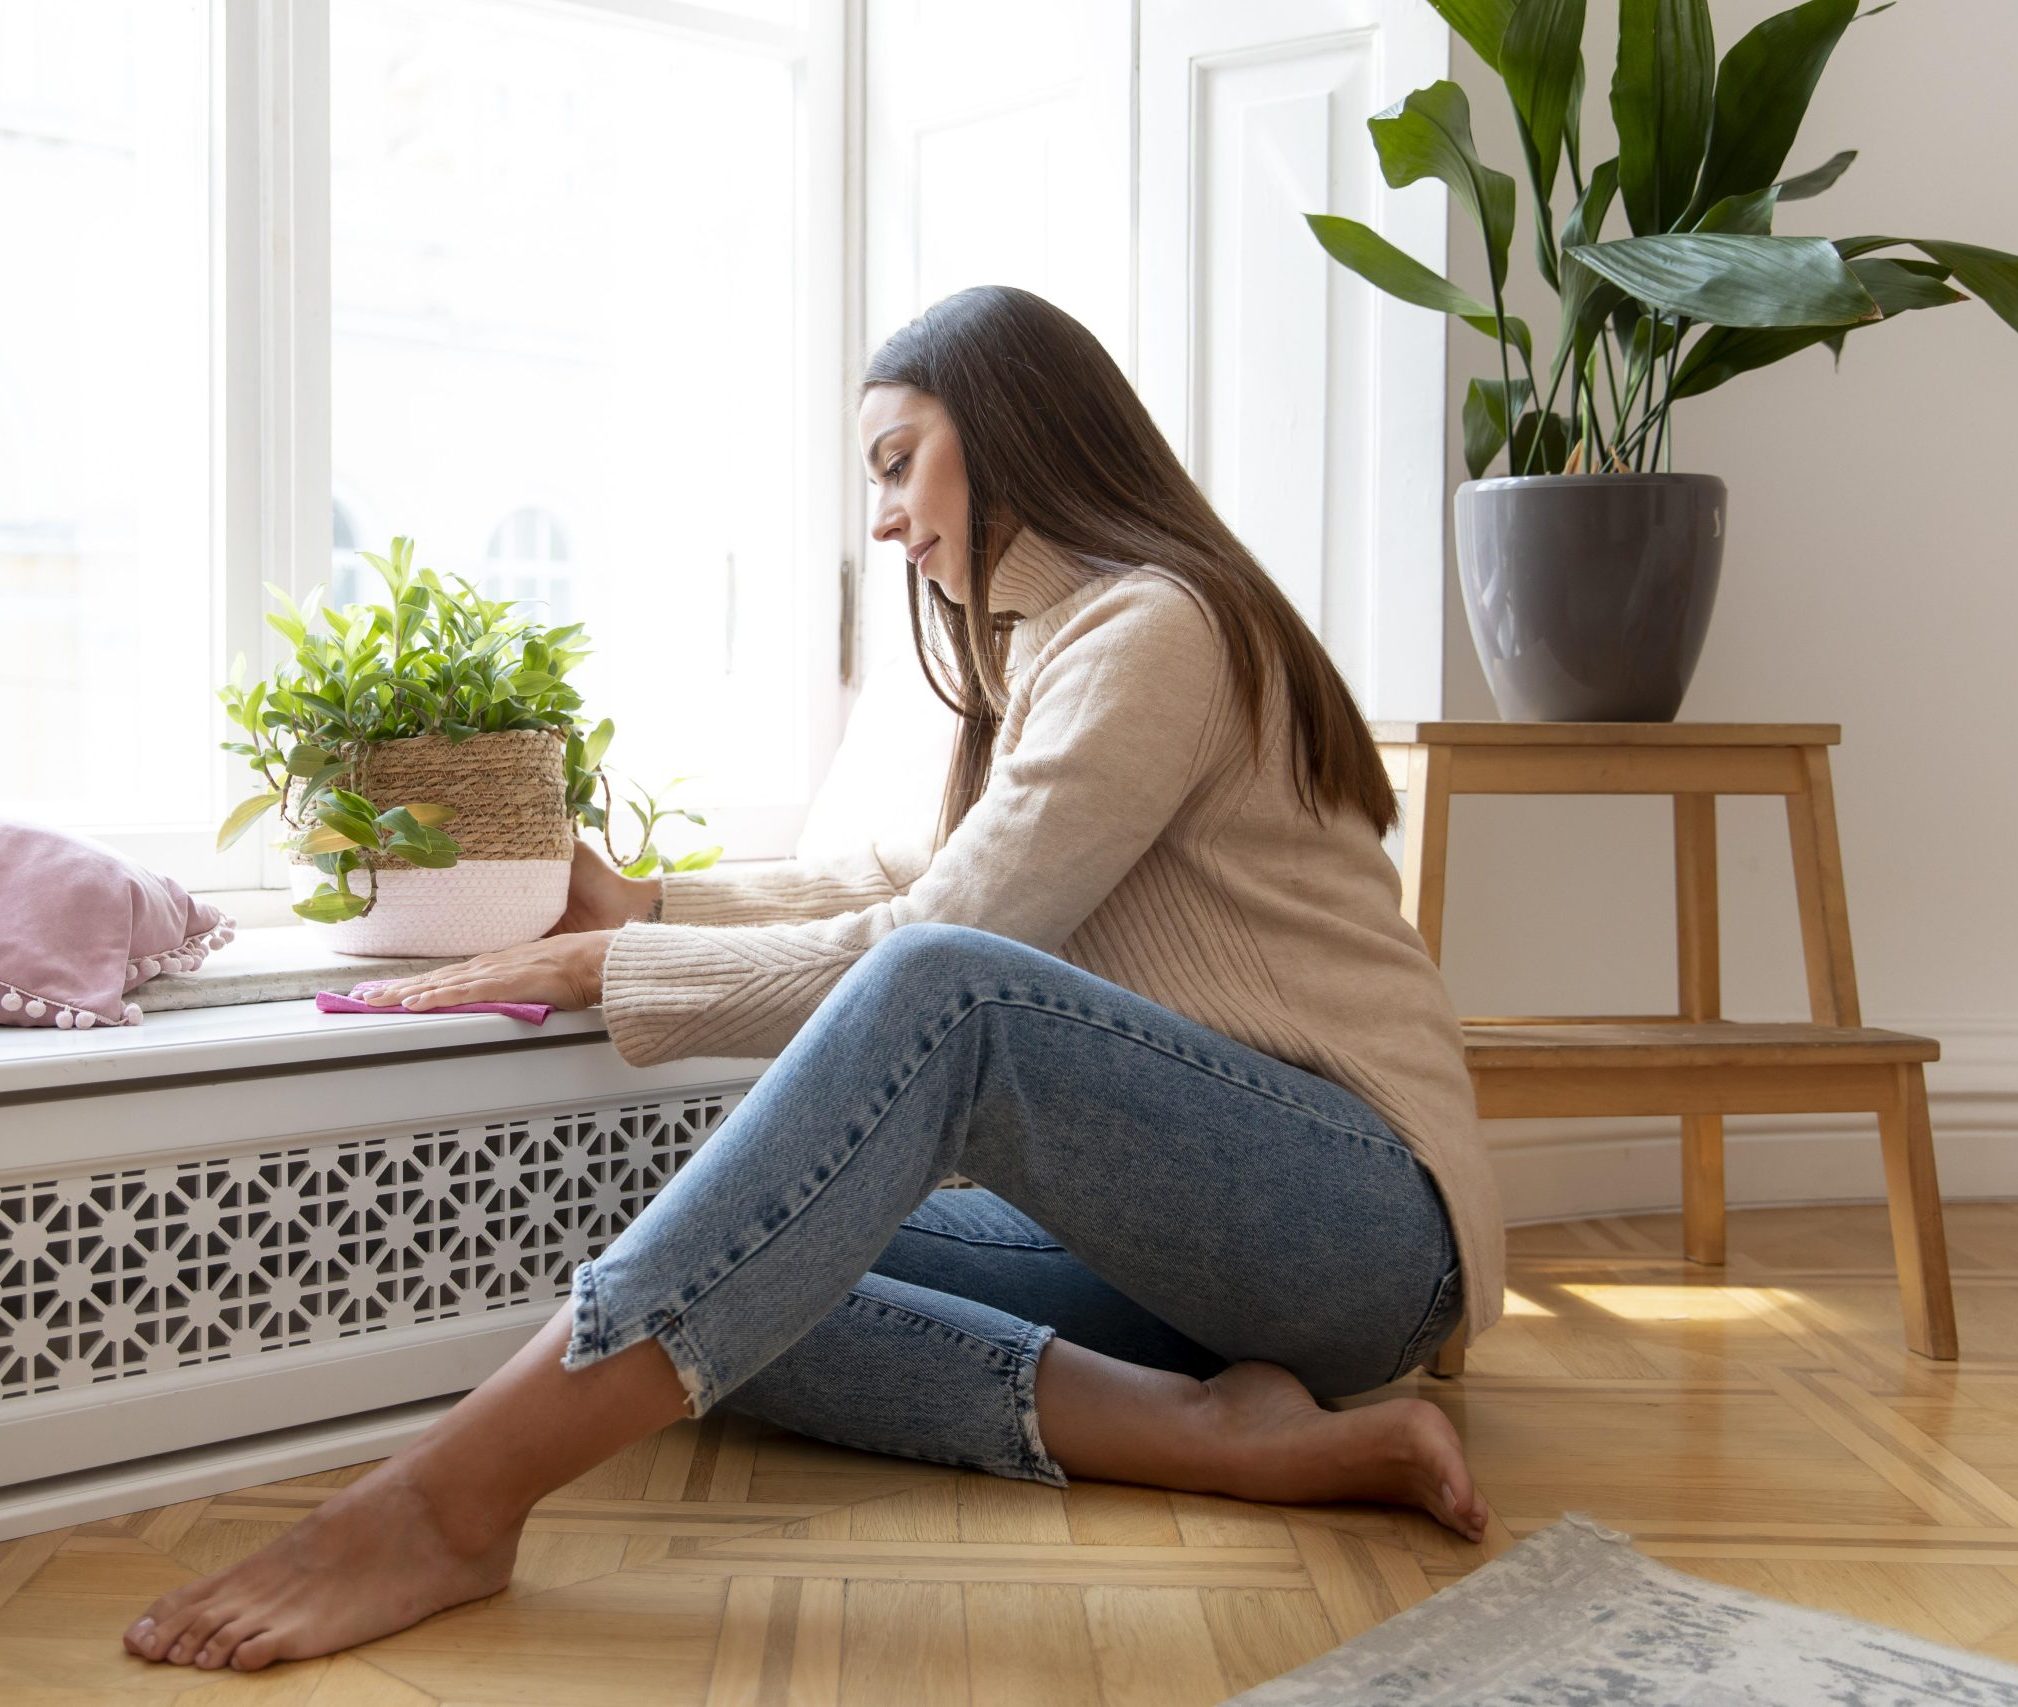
(1290, 1450)
(373, 1559)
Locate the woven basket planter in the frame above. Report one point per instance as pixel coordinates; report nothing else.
(509, 883)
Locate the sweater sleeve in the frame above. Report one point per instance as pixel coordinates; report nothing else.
(1125, 709)
(760, 892)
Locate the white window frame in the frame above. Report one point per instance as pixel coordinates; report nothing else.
(270, 387)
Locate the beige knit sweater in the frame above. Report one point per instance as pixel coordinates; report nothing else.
(1126, 829)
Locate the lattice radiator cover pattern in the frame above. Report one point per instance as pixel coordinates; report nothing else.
(116, 1272)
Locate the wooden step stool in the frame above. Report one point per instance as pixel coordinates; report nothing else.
(1692, 1063)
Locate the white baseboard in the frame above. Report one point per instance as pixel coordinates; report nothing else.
(140, 1484)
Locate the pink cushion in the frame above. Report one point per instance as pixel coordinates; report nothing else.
(80, 926)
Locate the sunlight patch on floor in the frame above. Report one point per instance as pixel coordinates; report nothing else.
(1681, 1303)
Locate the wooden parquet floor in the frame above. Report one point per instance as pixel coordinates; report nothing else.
(1762, 1426)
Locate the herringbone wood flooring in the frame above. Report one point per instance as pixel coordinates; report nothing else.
(1762, 1426)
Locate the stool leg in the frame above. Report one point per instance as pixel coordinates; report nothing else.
(1701, 996)
(1425, 838)
(1703, 1188)
(1919, 1243)
(1818, 888)
(1449, 1359)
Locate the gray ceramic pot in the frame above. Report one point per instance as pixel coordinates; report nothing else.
(1589, 595)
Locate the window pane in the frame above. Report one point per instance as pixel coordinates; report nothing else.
(105, 599)
(564, 300)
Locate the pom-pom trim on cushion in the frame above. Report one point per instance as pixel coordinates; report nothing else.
(69, 1016)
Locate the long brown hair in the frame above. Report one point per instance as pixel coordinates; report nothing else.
(1055, 439)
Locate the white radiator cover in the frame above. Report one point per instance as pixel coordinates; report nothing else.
(137, 1271)
(238, 1220)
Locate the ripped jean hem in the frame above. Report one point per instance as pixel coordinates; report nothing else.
(591, 1340)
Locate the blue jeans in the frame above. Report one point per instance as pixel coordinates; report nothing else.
(1145, 1186)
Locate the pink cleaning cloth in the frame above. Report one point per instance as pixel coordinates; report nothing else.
(329, 1002)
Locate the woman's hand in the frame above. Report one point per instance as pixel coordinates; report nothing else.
(563, 971)
(600, 898)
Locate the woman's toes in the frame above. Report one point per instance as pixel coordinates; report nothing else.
(256, 1651)
(198, 1631)
(151, 1634)
(219, 1649)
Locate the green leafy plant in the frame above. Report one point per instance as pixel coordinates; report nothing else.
(429, 660)
(1701, 146)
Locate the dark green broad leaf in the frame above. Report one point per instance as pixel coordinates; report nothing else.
(1587, 302)
(1541, 444)
(1749, 215)
(1661, 102)
(1486, 418)
(243, 816)
(1482, 23)
(1990, 273)
(1799, 189)
(458, 733)
(1728, 280)
(1539, 54)
(1723, 352)
(1763, 89)
(1587, 218)
(1380, 263)
(1428, 135)
(329, 906)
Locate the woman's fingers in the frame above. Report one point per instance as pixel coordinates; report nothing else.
(390, 991)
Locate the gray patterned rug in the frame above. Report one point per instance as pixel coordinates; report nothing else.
(1574, 1617)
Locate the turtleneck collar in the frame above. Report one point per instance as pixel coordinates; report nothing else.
(1033, 574)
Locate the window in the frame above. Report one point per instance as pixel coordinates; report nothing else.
(564, 260)
(106, 609)
(527, 560)
(555, 282)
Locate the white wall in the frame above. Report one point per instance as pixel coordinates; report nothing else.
(1868, 581)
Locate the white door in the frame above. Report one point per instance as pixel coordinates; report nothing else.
(1146, 165)
(1308, 406)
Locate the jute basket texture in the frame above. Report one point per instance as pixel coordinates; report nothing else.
(510, 880)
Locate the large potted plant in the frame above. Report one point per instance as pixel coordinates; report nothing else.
(1589, 570)
(436, 707)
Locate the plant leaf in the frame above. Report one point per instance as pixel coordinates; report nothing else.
(1400, 274)
(1763, 89)
(1814, 183)
(1539, 54)
(1482, 23)
(328, 906)
(1485, 420)
(325, 838)
(243, 816)
(1586, 221)
(1990, 273)
(1661, 103)
(1546, 456)
(1428, 135)
(1749, 215)
(1729, 280)
(1723, 353)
